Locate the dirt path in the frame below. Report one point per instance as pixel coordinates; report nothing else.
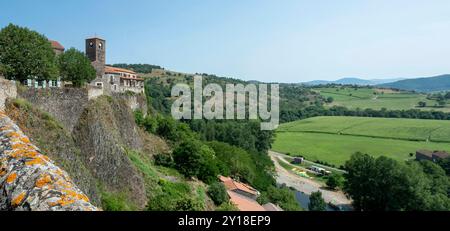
(305, 185)
(283, 156)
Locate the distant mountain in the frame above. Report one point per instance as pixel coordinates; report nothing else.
(352, 81)
(427, 84)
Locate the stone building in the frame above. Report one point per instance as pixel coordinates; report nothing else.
(123, 80)
(110, 79)
(57, 47)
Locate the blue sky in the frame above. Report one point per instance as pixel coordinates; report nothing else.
(286, 41)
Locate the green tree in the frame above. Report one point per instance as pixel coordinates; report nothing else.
(335, 181)
(445, 164)
(422, 104)
(76, 67)
(316, 202)
(283, 196)
(218, 193)
(227, 207)
(330, 99)
(384, 184)
(192, 158)
(447, 95)
(26, 54)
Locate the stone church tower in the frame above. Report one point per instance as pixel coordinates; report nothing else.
(96, 52)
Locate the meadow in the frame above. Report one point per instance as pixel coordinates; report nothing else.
(377, 99)
(335, 139)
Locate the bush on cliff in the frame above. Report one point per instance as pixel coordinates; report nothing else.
(76, 67)
(218, 193)
(194, 159)
(25, 53)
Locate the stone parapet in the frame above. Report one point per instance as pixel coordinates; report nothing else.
(29, 180)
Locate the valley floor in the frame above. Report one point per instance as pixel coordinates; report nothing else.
(305, 185)
(334, 139)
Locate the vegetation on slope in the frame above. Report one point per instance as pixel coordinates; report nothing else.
(239, 148)
(383, 184)
(54, 141)
(431, 84)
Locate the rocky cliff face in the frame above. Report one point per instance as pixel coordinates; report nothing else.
(29, 180)
(56, 142)
(105, 131)
(91, 139)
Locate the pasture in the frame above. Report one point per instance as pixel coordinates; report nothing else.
(377, 99)
(335, 139)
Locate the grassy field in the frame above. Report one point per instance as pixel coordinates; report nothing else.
(335, 139)
(378, 98)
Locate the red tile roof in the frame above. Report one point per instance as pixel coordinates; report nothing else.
(231, 184)
(56, 45)
(244, 203)
(110, 69)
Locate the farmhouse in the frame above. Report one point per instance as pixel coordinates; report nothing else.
(431, 155)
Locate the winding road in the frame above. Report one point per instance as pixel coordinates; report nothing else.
(305, 185)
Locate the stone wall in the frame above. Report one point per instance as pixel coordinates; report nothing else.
(8, 89)
(95, 92)
(30, 181)
(65, 104)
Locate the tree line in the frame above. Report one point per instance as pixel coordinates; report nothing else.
(139, 68)
(288, 115)
(26, 54)
(384, 184)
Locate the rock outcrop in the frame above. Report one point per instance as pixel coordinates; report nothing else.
(105, 131)
(29, 180)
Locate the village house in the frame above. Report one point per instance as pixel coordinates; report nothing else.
(431, 155)
(123, 80)
(244, 197)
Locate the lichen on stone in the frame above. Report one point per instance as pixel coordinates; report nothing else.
(21, 163)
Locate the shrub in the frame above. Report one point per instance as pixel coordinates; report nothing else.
(193, 158)
(165, 160)
(116, 202)
(218, 193)
(335, 181)
(227, 207)
(316, 202)
(282, 196)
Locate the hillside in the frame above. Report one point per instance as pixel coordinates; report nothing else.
(351, 81)
(427, 84)
(109, 157)
(378, 98)
(293, 97)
